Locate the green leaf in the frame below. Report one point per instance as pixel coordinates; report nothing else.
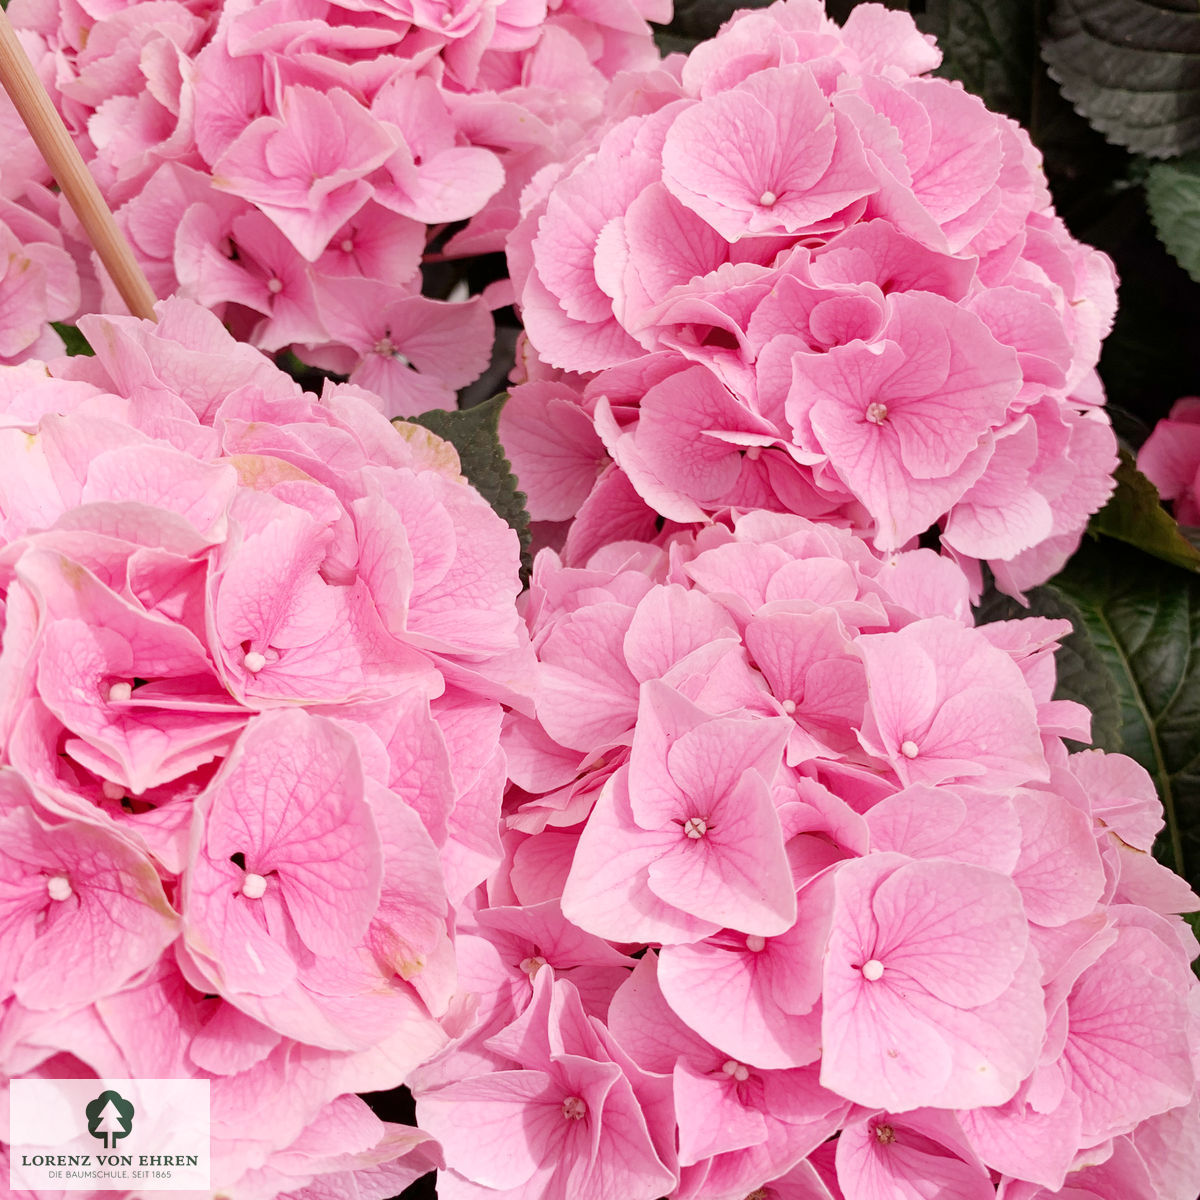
(1143, 616)
(1135, 514)
(700, 19)
(1173, 197)
(1132, 67)
(1082, 673)
(74, 341)
(473, 433)
(990, 46)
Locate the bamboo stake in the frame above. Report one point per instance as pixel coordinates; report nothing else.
(36, 109)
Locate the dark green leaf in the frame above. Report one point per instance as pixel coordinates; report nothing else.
(473, 433)
(1135, 514)
(991, 47)
(1143, 616)
(700, 19)
(1132, 67)
(74, 341)
(311, 379)
(1082, 673)
(1173, 196)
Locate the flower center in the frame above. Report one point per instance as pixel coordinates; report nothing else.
(788, 706)
(695, 827)
(274, 285)
(58, 887)
(120, 690)
(754, 942)
(872, 969)
(885, 1134)
(254, 887)
(574, 1109)
(876, 412)
(347, 246)
(112, 791)
(909, 749)
(735, 1070)
(254, 661)
(767, 199)
(532, 965)
(387, 348)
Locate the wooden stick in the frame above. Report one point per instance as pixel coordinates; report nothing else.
(65, 162)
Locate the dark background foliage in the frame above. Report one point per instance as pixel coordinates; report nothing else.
(1109, 91)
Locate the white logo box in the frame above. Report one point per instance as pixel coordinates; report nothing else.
(52, 1146)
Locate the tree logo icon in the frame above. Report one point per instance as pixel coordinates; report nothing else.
(109, 1117)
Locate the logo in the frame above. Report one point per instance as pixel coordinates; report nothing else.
(108, 1135)
(109, 1117)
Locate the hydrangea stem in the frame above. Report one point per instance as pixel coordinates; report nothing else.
(36, 109)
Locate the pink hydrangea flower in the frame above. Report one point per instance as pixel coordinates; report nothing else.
(1170, 458)
(846, 289)
(253, 781)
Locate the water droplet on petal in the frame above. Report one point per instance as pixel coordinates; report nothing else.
(872, 969)
(909, 749)
(254, 662)
(695, 827)
(254, 887)
(573, 1108)
(58, 887)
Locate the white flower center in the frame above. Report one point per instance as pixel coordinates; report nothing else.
(788, 706)
(254, 887)
(876, 412)
(767, 199)
(752, 452)
(909, 749)
(347, 246)
(574, 1109)
(872, 969)
(532, 965)
(120, 691)
(254, 661)
(112, 791)
(695, 827)
(58, 887)
(735, 1070)
(754, 942)
(274, 285)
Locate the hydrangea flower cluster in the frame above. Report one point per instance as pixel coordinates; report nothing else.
(255, 650)
(283, 163)
(1170, 459)
(802, 275)
(792, 849)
